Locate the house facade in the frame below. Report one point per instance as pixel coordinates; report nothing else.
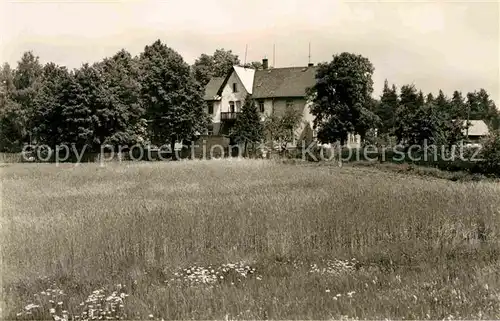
(274, 89)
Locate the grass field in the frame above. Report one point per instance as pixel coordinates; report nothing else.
(245, 240)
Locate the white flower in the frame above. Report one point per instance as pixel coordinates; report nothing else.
(31, 306)
(327, 291)
(52, 310)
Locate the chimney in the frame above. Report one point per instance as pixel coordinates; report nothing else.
(265, 64)
(310, 64)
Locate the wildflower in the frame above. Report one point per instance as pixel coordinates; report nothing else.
(151, 316)
(31, 306)
(327, 291)
(349, 294)
(52, 310)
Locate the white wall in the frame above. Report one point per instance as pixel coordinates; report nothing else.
(228, 94)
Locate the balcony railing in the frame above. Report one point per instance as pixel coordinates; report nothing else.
(228, 115)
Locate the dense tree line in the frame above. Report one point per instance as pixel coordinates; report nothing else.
(342, 104)
(121, 100)
(156, 97)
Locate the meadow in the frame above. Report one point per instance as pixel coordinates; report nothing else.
(245, 239)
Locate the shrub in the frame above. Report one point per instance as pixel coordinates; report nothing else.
(491, 154)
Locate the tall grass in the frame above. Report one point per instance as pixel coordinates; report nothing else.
(417, 242)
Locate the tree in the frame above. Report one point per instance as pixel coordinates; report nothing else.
(368, 119)
(342, 93)
(420, 98)
(83, 97)
(481, 107)
(387, 107)
(409, 104)
(257, 65)
(26, 83)
(216, 65)
(428, 125)
(120, 121)
(491, 153)
(12, 126)
(429, 98)
(171, 96)
(458, 108)
(442, 102)
(248, 127)
(48, 122)
(281, 129)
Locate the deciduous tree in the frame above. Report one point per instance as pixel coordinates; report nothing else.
(281, 129)
(171, 96)
(216, 65)
(341, 95)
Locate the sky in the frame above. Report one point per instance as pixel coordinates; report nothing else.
(434, 44)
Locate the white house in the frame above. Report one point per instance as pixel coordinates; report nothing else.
(274, 90)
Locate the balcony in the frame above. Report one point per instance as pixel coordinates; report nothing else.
(228, 115)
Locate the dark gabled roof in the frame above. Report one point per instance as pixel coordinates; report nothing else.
(212, 88)
(283, 82)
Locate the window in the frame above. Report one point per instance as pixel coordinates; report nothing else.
(261, 106)
(238, 105)
(289, 104)
(210, 108)
(231, 106)
(235, 87)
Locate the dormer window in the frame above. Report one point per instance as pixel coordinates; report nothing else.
(235, 87)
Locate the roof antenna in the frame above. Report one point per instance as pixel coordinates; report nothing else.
(246, 50)
(309, 53)
(274, 55)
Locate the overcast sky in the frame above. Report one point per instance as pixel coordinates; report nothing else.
(432, 44)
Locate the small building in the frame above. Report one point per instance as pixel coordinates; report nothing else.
(475, 132)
